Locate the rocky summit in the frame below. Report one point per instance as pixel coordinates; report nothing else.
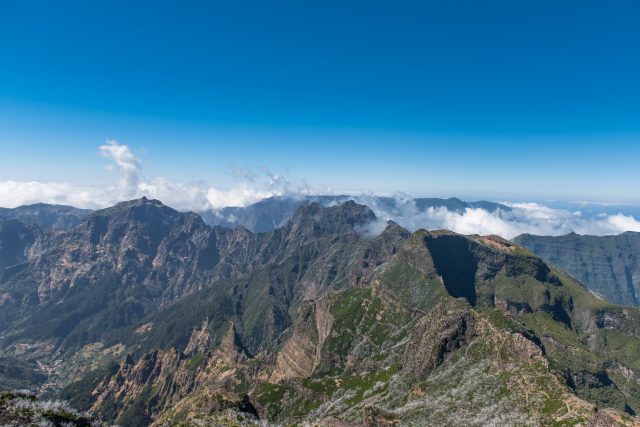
(141, 315)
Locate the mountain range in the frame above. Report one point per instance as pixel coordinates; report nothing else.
(47, 217)
(608, 265)
(140, 314)
(273, 212)
(264, 215)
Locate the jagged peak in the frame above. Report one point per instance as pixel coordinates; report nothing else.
(393, 228)
(231, 342)
(128, 360)
(241, 230)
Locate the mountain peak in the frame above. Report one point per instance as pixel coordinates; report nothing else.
(141, 205)
(313, 219)
(140, 217)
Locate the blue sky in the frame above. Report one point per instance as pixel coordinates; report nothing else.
(506, 100)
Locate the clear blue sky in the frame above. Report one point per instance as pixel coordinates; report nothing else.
(494, 99)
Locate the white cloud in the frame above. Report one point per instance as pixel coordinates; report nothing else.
(239, 195)
(622, 223)
(130, 183)
(471, 221)
(16, 193)
(182, 196)
(127, 163)
(251, 187)
(373, 228)
(533, 218)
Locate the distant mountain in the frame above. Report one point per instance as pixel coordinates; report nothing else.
(47, 217)
(264, 215)
(273, 212)
(608, 265)
(144, 315)
(15, 239)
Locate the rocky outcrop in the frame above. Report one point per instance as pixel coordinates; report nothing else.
(201, 340)
(436, 336)
(302, 353)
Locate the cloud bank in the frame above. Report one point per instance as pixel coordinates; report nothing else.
(532, 218)
(250, 187)
(131, 183)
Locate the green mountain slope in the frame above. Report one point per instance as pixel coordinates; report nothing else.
(608, 265)
(15, 239)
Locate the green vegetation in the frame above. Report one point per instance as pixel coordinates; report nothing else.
(284, 401)
(411, 286)
(195, 361)
(16, 374)
(500, 320)
(23, 408)
(619, 346)
(606, 264)
(358, 383)
(79, 393)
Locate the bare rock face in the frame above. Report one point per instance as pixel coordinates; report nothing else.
(231, 345)
(134, 378)
(606, 418)
(201, 340)
(122, 262)
(159, 380)
(141, 243)
(301, 353)
(443, 331)
(295, 360)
